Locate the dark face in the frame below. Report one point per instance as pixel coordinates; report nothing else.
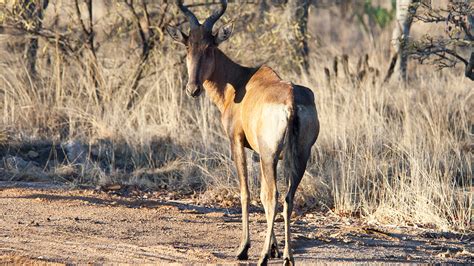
(200, 60)
(201, 45)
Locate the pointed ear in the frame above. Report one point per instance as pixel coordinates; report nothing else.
(176, 34)
(224, 32)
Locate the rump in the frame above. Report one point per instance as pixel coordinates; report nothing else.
(273, 127)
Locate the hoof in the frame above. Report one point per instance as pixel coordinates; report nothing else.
(255, 157)
(243, 256)
(274, 253)
(243, 252)
(289, 262)
(263, 261)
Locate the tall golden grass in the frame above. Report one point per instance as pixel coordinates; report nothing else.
(388, 152)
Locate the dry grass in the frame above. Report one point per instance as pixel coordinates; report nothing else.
(390, 153)
(398, 154)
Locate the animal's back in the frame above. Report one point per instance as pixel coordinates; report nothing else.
(266, 86)
(270, 103)
(266, 108)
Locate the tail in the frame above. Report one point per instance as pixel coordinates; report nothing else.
(290, 156)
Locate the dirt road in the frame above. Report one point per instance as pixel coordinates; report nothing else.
(54, 224)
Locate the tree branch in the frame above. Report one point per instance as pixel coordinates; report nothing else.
(469, 73)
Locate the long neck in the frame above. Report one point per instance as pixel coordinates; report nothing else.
(227, 80)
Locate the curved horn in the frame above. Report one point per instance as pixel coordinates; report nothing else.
(193, 21)
(209, 23)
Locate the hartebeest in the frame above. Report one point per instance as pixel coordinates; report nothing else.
(259, 111)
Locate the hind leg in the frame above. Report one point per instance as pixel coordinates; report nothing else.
(268, 196)
(293, 182)
(274, 253)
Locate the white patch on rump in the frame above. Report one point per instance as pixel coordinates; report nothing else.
(273, 126)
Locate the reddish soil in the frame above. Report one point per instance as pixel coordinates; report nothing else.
(52, 224)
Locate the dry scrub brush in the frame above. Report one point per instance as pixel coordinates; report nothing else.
(389, 153)
(397, 154)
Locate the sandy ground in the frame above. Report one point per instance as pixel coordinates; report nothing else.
(52, 224)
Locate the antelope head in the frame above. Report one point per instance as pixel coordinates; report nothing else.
(201, 44)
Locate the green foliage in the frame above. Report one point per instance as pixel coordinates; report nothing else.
(380, 15)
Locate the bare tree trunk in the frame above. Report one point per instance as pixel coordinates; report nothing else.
(470, 65)
(89, 33)
(405, 11)
(33, 14)
(148, 39)
(297, 16)
(262, 9)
